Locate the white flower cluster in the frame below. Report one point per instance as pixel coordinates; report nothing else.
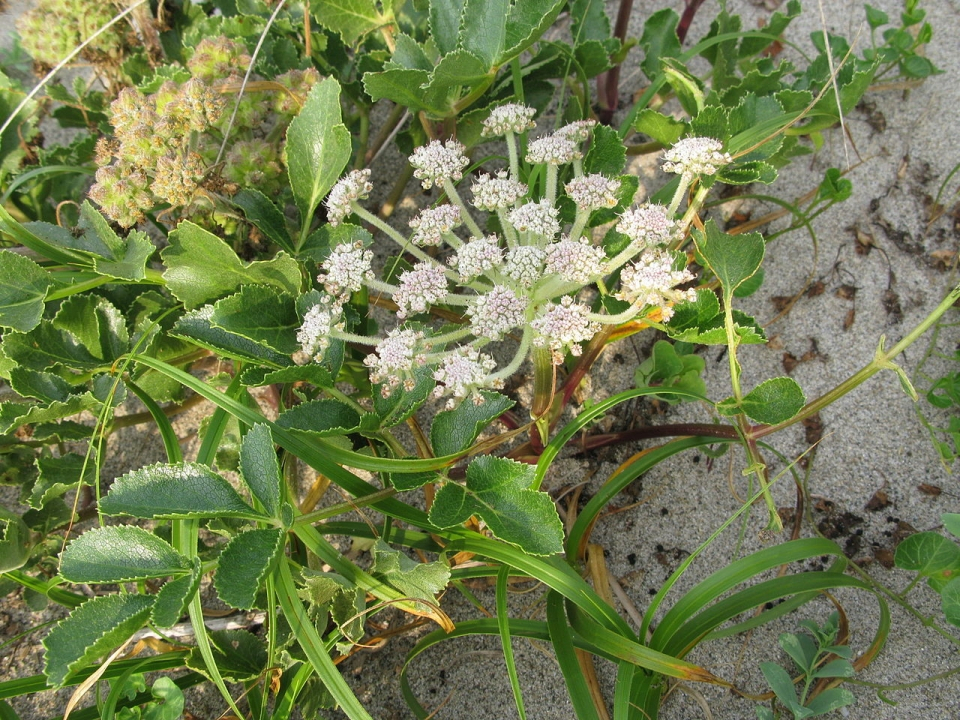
(519, 283)
(695, 156)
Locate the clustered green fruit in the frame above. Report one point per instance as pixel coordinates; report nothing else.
(166, 149)
(54, 28)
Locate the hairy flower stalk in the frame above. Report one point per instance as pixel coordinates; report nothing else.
(520, 284)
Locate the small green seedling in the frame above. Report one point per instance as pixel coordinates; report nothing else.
(811, 654)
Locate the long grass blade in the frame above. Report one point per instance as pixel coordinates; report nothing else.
(503, 624)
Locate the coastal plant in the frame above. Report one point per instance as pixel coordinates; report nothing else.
(276, 279)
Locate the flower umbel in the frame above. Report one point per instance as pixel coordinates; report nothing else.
(695, 156)
(438, 160)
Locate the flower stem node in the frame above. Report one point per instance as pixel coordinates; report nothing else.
(354, 186)
(695, 156)
(509, 118)
(437, 161)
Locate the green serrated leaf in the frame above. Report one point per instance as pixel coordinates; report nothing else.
(125, 258)
(240, 655)
(14, 541)
(93, 629)
(260, 210)
(314, 374)
(403, 87)
(244, 563)
(352, 19)
(527, 20)
(175, 491)
(43, 386)
(175, 596)
(321, 418)
(23, 286)
(927, 553)
(58, 475)
(12, 415)
(414, 579)
(951, 522)
(318, 147)
(659, 39)
(732, 258)
(261, 314)
(607, 154)
(950, 601)
(401, 403)
(201, 267)
(661, 128)
(457, 69)
(498, 492)
(773, 401)
(196, 327)
(455, 430)
(117, 554)
(260, 467)
(483, 28)
(327, 592)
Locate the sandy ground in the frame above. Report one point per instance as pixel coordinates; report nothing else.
(899, 148)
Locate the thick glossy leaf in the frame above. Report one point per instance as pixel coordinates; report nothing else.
(733, 258)
(927, 553)
(260, 210)
(498, 491)
(201, 267)
(781, 683)
(93, 629)
(455, 430)
(771, 402)
(23, 285)
(58, 475)
(659, 39)
(244, 563)
(590, 21)
(830, 700)
(175, 596)
(402, 86)
(414, 579)
(320, 418)
(318, 147)
(260, 467)
(175, 491)
(117, 554)
(352, 19)
(314, 374)
(197, 327)
(261, 314)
